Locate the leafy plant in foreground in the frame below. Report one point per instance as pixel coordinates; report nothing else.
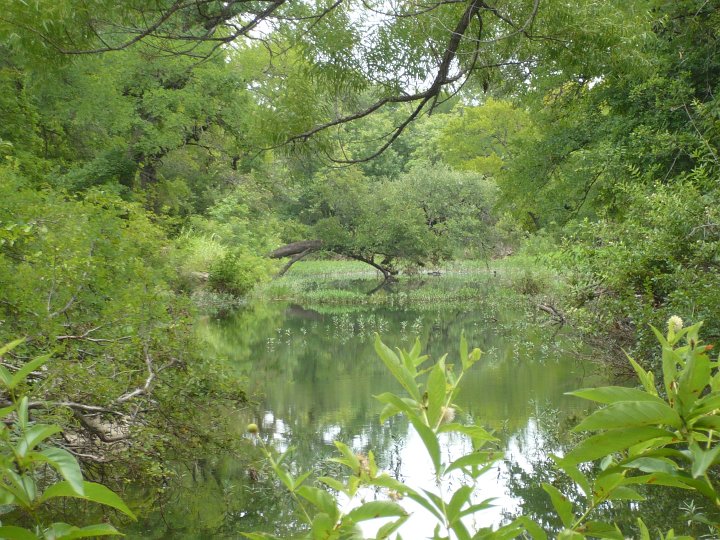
(430, 409)
(25, 453)
(642, 439)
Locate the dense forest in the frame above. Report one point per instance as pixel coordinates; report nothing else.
(162, 161)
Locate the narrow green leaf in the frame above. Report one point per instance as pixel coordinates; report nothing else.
(386, 530)
(5, 377)
(34, 436)
(598, 529)
(625, 414)
(22, 373)
(473, 460)
(333, 484)
(459, 498)
(525, 523)
(702, 459)
(322, 526)
(644, 533)
(390, 483)
(707, 404)
(693, 378)
(464, 356)
(321, 499)
(63, 531)
(611, 394)
(429, 439)
(64, 463)
(11, 532)
(562, 505)
(624, 493)
(397, 369)
(10, 346)
(479, 507)
(404, 405)
(96, 493)
(651, 465)
(574, 473)
(646, 377)
(567, 534)
(376, 509)
(614, 440)
(436, 389)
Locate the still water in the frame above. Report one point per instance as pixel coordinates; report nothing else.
(313, 372)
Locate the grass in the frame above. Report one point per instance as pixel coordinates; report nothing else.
(346, 283)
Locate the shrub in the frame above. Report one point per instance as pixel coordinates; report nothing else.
(238, 272)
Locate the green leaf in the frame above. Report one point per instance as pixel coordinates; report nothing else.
(562, 505)
(651, 465)
(321, 499)
(22, 412)
(464, 357)
(333, 484)
(34, 436)
(436, 389)
(349, 458)
(479, 507)
(65, 463)
(5, 411)
(473, 460)
(400, 404)
(389, 410)
(459, 498)
(693, 378)
(63, 531)
(574, 473)
(386, 530)
(376, 509)
(5, 377)
(646, 377)
(390, 483)
(22, 373)
(430, 441)
(397, 369)
(707, 423)
(644, 533)
(598, 529)
(10, 346)
(707, 404)
(702, 459)
(624, 493)
(625, 414)
(525, 523)
(611, 394)
(96, 493)
(614, 440)
(11, 532)
(567, 534)
(322, 525)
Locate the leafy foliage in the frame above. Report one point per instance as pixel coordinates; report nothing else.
(25, 455)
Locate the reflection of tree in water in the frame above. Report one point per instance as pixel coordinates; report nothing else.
(312, 374)
(663, 509)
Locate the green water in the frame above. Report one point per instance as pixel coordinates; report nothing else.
(313, 373)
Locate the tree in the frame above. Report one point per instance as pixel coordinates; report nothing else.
(364, 56)
(426, 215)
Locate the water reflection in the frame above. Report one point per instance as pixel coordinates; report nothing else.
(314, 373)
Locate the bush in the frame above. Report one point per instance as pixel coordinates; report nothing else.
(238, 272)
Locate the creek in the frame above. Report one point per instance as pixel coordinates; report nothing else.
(312, 373)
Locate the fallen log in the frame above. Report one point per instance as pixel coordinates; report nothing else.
(296, 248)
